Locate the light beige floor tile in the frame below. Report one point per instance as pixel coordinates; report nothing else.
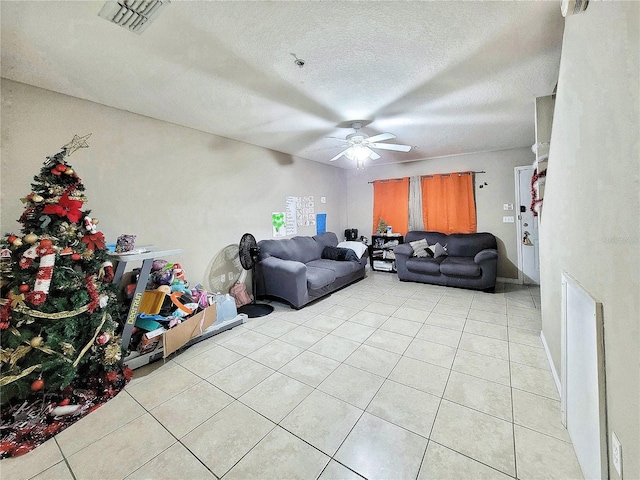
(487, 317)
(352, 385)
(532, 356)
(60, 471)
(188, 409)
(443, 336)
(324, 323)
(227, 335)
(373, 360)
(36, 461)
(483, 366)
(146, 372)
(376, 448)
(302, 336)
(299, 316)
(427, 296)
(542, 457)
(310, 368)
(539, 413)
(276, 396)
(175, 463)
(227, 436)
(435, 353)
(335, 347)
(322, 421)
(247, 342)
(122, 451)
(424, 376)
(473, 392)
(452, 310)
(485, 346)
(456, 301)
(534, 380)
(412, 314)
(393, 342)
(480, 436)
(523, 302)
(446, 321)
(442, 463)
(481, 298)
(240, 377)
(391, 299)
(525, 337)
(280, 455)
(406, 407)
(370, 319)
(532, 324)
(275, 328)
(485, 329)
(211, 361)
(343, 313)
(493, 307)
(518, 311)
(401, 326)
(353, 302)
(114, 414)
(423, 304)
(381, 308)
(163, 386)
(336, 471)
(276, 354)
(353, 331)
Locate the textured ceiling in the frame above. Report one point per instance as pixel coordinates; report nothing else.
(445, 77)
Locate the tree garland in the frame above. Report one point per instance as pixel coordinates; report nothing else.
(536, 202)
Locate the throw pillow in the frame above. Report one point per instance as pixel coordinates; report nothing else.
(438, 250)
(357, 247)
(419, 248)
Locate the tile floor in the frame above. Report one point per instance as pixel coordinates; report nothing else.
(383, 379)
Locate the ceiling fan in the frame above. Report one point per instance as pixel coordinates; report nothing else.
(360, 146)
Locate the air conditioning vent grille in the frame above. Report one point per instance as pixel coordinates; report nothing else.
(134, 15)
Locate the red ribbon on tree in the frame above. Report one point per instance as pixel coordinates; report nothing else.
(94, 298)
(65, 208)
(94, 240)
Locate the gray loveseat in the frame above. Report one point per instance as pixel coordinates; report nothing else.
(293, 269)
(471, 260)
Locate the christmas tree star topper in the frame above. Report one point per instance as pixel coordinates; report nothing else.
(76, 143)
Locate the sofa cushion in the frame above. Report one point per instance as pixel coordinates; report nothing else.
(460, 267)
(426, 265)
(299, 249)
(340, 269)
(318, 277)
(469, 244)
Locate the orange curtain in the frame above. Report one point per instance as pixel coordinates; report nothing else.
(391, 202)
(448, 203)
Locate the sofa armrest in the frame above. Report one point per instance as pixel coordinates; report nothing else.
(485, 255)
(286, 279)
(403, 249)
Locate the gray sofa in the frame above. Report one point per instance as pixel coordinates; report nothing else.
(293, 269)
(471, 260)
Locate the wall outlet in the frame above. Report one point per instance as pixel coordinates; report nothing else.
(616, 453)
(509, 219)
(507, 206)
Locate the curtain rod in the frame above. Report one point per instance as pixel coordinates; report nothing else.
(426, 175)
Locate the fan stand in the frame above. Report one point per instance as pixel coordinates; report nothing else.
(253, 309)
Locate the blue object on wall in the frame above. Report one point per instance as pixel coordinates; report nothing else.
(321, 223)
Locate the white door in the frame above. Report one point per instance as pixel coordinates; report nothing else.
(527, 227)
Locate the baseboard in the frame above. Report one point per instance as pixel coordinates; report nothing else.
(508, 280)
(556, 377)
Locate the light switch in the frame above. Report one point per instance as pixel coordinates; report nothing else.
(323, 199)
(507, 206)
(508, 219)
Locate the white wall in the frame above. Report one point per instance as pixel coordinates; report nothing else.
(499, 168)
(172, 186)
(590, 224)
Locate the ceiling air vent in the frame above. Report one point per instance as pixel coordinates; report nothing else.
(134, 15)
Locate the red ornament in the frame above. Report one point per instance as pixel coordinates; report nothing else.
(11, 238)
(103, 338)
(75, 257)
(24, 288)
(45, 243)
(61, 167)
(37, 385)
(63, 402)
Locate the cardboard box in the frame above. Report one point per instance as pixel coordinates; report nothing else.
(177, 336)
(150, 341)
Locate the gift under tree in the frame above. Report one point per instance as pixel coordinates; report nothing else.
(59, 312)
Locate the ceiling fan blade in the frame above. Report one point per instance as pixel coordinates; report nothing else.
(391, 146)
(338, 138)
(379, 138)
(339, 155)
(373, 155)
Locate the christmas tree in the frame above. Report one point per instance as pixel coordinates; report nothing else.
(59, 313)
